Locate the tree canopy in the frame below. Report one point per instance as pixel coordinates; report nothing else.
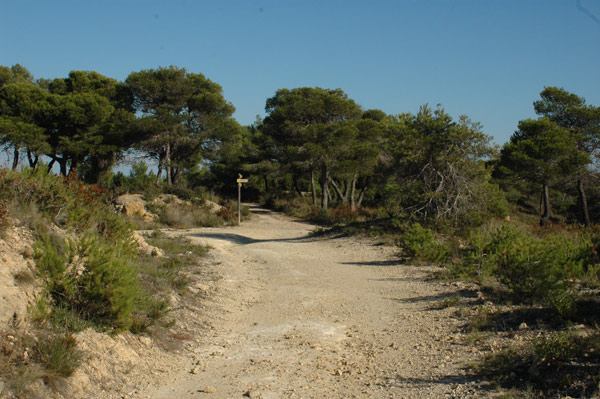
(582, 121)
(542, 152)
(307, 127)
(437, 168)
(184, 117)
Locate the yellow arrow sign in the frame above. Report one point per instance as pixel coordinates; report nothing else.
(242, 180)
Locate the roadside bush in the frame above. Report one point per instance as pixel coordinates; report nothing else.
(420, 243)
(540, 268)
(340, 216)
(533, 267)
(592, 266)
(322, 216)
(228, 213)
(93, 279)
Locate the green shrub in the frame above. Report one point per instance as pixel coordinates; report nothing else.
(533, 267)
(93, 279)
(539, 268)
(592, 266)
(420, 243)
(322, 216)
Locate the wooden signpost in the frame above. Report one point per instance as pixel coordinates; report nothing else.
(239, 182)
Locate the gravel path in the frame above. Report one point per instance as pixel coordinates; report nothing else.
(302, 317)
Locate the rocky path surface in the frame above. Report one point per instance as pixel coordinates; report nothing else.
(302, 317)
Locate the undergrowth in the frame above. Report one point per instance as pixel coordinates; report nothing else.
(37, 355)
(563, 363)
(189, 214)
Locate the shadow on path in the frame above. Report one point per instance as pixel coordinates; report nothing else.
(261, 211)
(375, 263)
(465, 293)
(243, 240)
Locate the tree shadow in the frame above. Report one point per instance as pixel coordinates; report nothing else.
(391, 262)
(261, 211)
(243, 240)
(398, 279)
(465, 293)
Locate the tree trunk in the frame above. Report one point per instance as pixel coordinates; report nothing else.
(352, 193)
(545, 206)
(324, 187)
(583, 202)
(313, 188)
(362, 193)
(63, 166)
(297, 185)
(266, 179)
(168, 164)
(160, 168)
(73, 166)
(175, 173)
(15, 158)
(159, 174)
(33, 160)
(337, 189)
(347, 188)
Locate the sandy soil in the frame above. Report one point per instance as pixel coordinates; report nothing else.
(301, 317)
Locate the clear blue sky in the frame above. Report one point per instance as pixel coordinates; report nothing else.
(486, 59)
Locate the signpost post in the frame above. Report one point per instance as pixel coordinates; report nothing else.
(239, 182)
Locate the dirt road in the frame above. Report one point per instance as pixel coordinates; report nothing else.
(302, 317)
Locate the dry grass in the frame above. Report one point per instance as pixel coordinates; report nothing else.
(39, 356)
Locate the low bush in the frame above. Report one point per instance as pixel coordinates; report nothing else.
(90, 278)
(420, 243)
(533, 267)
(160, 276)
(297, 206)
